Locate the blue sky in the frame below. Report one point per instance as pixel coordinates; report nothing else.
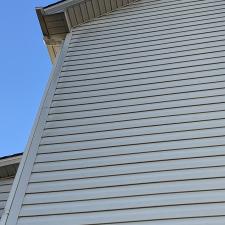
(25, 68)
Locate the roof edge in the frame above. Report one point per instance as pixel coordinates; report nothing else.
(10, 160)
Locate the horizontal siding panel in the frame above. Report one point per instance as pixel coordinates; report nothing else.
(160, 32)
(155, 8)
(140, 91)
(155, 44)
(163, 9)
(7, 181)
(168, 25)
(110, 181)
(126, 43)
(163, 146)
(126, 191)
(132, 155)
(126, 203)
(195, 221)
(135, 80)
(214, 56)
(5, 187)
(164, 129)
(4, 196)
(153, 34)
(173, 212)
(106, 158)
(164, 48)
(166, 51)
(76, 119)
(156, 102)
(175, 71)
(182, 64)
(136, 139)
(67, 170)
(2, 205)
(148, 122)
(74, 113)
(156, 77)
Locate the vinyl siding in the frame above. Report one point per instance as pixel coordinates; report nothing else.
(5, 187)
(136, 129)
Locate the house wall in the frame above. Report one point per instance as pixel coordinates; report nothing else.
(5, 187)
(135, 132)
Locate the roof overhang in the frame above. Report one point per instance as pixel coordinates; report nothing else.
(57, 19)
(9, 165)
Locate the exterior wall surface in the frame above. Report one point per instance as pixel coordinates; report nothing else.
(136, 129)
(5, 187)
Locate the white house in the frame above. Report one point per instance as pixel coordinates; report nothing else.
(131, 128)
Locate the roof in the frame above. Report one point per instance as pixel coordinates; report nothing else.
(9, 165)
(56, 20)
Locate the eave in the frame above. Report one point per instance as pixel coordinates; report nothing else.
(57, 19)
(9, 165)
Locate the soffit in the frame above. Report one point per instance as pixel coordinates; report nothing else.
(57, 19)
(9, 165)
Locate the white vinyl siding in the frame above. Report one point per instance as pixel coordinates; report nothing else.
(136, 129)
(5, 187)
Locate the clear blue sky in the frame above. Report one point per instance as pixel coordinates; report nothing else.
(25, 68)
